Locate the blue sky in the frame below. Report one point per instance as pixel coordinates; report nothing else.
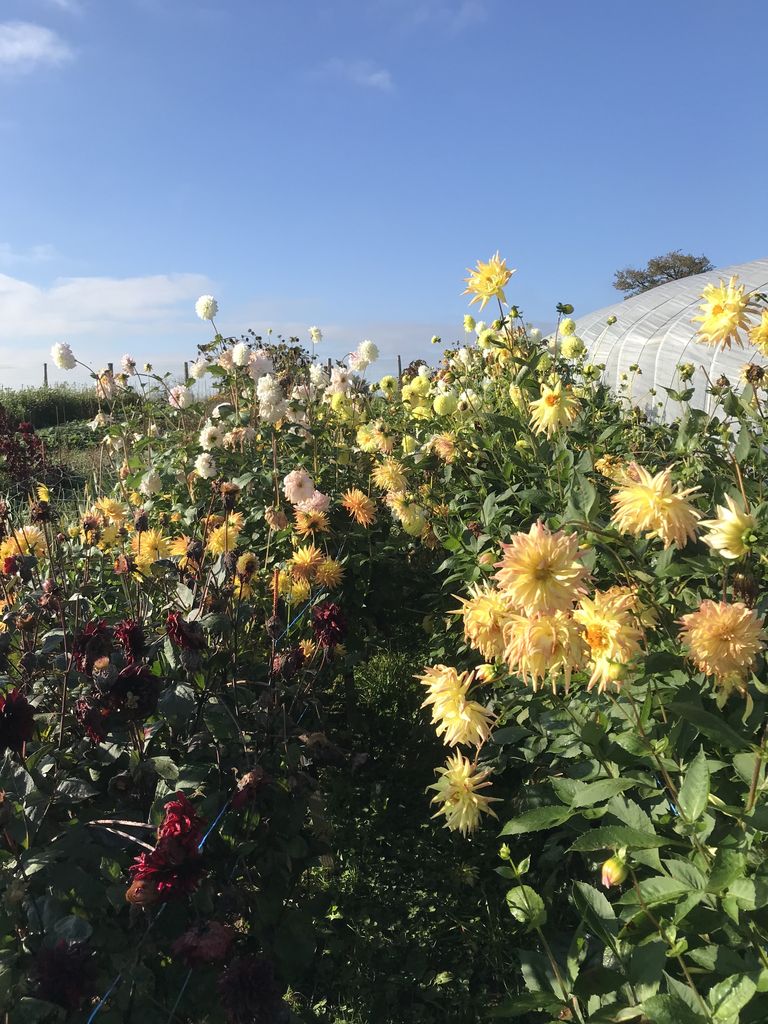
(341, 162)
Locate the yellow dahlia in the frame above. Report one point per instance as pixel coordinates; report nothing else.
(389, 475)
(24, 540)
(612, 633)
(458, 791)
(111, 510)
(487, 281)
(612, 468)
(723, 639)
(359, 506)
(311, 522)
(305, 562)
(246, 565)
(758, 335)
(648, 504)
(544, 646)
(456, 718)
(149, 546)
(723, 313)
(555, 408)
(329, 574)
(541, 571)
(224, 538)
(485, 612)
(365, 438)
(729, 533)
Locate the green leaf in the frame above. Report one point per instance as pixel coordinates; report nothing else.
(709, 724)
(536, 820)
(165, 768)
(667, 1009)
(527, 907)
(728, 997)
(608, 837)
(595, 792)
(522, 1005)
(657, 890)
(597, 913)
(728, 866)
(694, 791)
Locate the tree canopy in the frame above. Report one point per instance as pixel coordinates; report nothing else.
(670, 267)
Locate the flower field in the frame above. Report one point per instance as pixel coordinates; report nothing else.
(488, 619)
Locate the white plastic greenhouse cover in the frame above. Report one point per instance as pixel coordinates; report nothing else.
(655, 332)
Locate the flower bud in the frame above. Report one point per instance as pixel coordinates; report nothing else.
(614, 871)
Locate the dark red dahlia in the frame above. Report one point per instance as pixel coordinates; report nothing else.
(205, 944)
(63, 974)
(329, 624)
(92, 714)
(17, 721)
(11, 565)
(248, 788)
(130, 635)
(25, 427)
(174, 868)
(187, 635)
(249, 992)
(135, 692)
(94, 641)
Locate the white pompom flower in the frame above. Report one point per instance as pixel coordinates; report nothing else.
(298, 486)
(180, 397)
(206, 307)
(199, 368)
(150, 483)
(240, 354)
(368, 351)
(315, 335)
(205, 466)
(62, 355)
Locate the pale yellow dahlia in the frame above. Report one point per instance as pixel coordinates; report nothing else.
(612, 468)
(650, 506)
(612, 633)
(444, 446)
(458, 791)
(758, 335)
(359, 506)
(541, 571)
(723, 314)
(487, 281)
(389, 475)
(729, 533)
(555, 408)
(544, 646)
(457, 718)
(723, 639)
(484, 612)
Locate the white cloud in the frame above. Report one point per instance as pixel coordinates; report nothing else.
(24, 47)
(450, 15)
(360, 72)
(100, 317)
(35, 254)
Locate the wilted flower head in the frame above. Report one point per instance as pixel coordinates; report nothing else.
(17, 721)
(62, 356)
(260, 363)
(105, 385)
(206, 307)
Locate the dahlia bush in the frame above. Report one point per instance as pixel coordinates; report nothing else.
(590, 581)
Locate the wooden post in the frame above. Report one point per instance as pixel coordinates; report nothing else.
(45, 375)
(399, 370)
(186, 371)
(110, 367)
(329, 367)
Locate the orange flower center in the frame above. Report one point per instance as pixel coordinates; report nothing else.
(551, 400)
(597, 638)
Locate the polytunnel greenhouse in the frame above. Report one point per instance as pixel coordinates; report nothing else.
(655, 332)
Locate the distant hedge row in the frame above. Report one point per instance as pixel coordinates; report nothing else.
(49, 407)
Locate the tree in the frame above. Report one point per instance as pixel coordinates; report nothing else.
(670, 267)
